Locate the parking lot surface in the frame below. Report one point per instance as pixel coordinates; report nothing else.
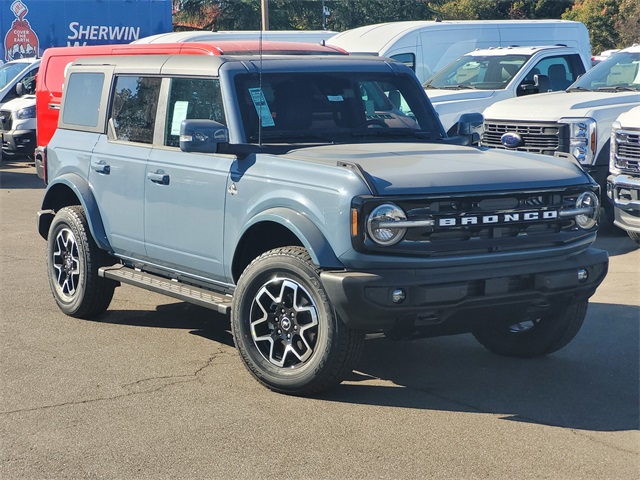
(154, 388)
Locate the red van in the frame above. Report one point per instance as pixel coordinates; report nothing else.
(50, 78)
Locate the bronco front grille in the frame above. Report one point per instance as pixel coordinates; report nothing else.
(6, 122)
(476, 224)
(627, 151)
(545, 138)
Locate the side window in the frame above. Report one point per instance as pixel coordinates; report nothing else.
(561, 71)
(408, 59)
(82, 103)
(192, 98)
(134, 107)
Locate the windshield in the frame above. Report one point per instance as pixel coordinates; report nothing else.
(619, 72)
(478, 72)
(9, 71)
(334, 107)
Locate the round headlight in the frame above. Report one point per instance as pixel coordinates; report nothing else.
(379, 224)
(588, 201)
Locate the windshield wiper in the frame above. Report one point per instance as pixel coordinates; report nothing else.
(292, 136)
(617, 88)
(458, 87)
(392, 132)
(578, 89)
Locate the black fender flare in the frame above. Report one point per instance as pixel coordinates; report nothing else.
(303, 228)
(82, 191)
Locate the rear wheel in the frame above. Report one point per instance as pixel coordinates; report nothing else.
(73, 260)
(535, 336)
(288, 335)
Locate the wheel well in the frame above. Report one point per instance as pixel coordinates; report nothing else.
(261, 238)
(59, 196)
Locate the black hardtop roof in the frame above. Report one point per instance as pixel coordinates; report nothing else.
(187, 64)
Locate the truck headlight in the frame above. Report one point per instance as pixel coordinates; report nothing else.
(27, 112)
(587, 201)
(613, 168)
(582, 138)
(380, 224)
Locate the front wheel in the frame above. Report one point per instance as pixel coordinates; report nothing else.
(535, 336)
(288, 335)
(73, 259)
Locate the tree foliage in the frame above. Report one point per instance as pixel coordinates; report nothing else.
(611, 23)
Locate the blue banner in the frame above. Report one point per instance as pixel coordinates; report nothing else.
(28, 27)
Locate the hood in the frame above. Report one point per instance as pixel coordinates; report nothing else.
(630, 119)
(443, 95)
(555, 105)
(419, 168)
(20, 102)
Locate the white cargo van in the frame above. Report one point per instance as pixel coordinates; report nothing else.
(305, 36)
(427, 46)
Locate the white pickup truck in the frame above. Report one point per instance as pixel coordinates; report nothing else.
(576, 122)
(481, 78)
(623, 183)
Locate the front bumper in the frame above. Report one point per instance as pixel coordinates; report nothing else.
(18, 142)
(624, 193)
(460, 296)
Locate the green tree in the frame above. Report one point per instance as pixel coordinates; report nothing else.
(599, 16)
(628, 23)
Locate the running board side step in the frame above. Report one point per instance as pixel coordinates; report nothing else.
(190, 294)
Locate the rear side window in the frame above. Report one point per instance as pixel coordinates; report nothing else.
(192, 98)
(82, 104)
(134, 107)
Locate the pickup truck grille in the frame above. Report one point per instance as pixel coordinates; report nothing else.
(6, 121)
(627, 151)
(545, 138)
(468, 224)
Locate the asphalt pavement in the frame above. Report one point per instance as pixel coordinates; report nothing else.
(154, 389)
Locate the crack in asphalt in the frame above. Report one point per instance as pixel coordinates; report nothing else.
(165, 381)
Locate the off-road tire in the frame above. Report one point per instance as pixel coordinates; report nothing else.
(280, 294)
(73, 259)
(548, 333)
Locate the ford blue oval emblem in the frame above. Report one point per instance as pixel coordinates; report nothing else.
(511, 140)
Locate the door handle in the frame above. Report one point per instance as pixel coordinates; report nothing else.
(160, 178)
(101, 167)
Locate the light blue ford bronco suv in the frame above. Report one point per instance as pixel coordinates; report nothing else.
(314, 200)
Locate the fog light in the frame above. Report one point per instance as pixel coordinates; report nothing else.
(583, 275)
(398, 295)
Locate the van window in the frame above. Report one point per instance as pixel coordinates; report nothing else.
(82, 104)
(192, 98)
(134, 107)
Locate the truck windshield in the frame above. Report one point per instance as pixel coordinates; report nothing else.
(492, 72)
(9, 71)
(619, 72)
(334, 107)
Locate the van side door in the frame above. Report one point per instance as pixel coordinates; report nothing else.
(185, 193)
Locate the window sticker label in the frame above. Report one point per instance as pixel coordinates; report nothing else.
(335, 98)
(257, 96)
(179, 114)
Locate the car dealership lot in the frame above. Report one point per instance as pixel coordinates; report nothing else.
(155, 389)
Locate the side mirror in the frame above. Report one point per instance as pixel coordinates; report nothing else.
(542, 82)
(202, 135)
(20, 89)
(467, 130)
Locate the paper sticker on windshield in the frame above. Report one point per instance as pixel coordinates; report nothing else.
(335, 98)
(179, 114)
(262, 108)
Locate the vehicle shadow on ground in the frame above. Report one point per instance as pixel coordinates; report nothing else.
(592, 384)
(19, 174)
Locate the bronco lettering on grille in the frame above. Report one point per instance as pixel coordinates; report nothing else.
(498, 219)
